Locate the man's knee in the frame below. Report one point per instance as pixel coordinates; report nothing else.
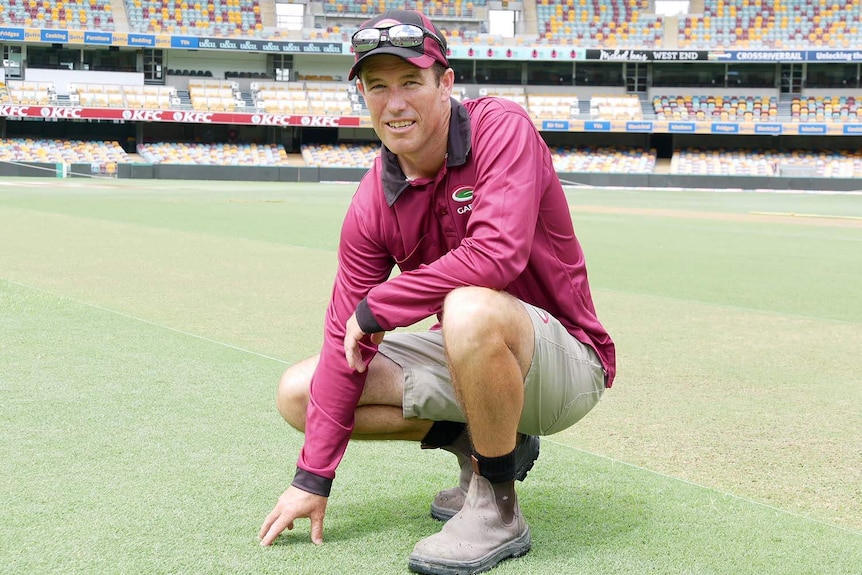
(484, 313)
(292, 395)
(471, 310)
(481, 320)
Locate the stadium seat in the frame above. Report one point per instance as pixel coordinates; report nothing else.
(220, 154)
(603, 159)
(760, 24)
(61, 151)
(600, 23)
(214, 18)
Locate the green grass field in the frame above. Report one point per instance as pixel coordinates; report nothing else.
(144, 325)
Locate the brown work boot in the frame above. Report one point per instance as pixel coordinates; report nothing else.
(488, 529)
(449, 501)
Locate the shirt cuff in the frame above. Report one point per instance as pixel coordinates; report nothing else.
(366, 320)
(308, 481)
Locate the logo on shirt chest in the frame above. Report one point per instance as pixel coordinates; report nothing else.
(462, 195)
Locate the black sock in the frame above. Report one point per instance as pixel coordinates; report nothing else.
(442, 433)
(495, 469)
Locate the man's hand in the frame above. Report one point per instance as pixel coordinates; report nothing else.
(352, 335)
(293, 504)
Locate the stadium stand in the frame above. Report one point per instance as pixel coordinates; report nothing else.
(319, 98)
(434, 8)
(280, 97)
(696, 161)
(61, 151)
(329, 98)
(516, 94)
(599, 23)
(746, 162)
(220, 154)
(214, 95)
(214, 17)
(151, 97)
(97, 95)
(340, 155)
(607, 24)
(825, 109)
(86, 14)
(604, 159)
(31, 93)
(553, 106)
(715, 108)
(762, 24)
(616, 107)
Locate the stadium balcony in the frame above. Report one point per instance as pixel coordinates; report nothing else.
(83, 15)
(599, 23)
(553, 106)
(331, 98)
(603, 160)
(32, 93)
(803, 24)
(715, 108)
(616, 107)
(515, 94)
(324, 98)
(213, 154)
(97, 95)
(215, 17)
(151, 97)
(61, 151)
(280, 97)
(209, 95)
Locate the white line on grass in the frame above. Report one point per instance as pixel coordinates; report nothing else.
(699, 486)
(547, 439)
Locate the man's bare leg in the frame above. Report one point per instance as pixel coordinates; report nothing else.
(379, 415)
(489, 344)
(489, 341)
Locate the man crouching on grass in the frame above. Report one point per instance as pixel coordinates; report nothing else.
(464, 198)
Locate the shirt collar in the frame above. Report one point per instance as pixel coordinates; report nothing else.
(458, 148)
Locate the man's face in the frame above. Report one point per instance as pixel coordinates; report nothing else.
(409, 107)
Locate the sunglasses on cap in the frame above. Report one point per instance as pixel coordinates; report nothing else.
(399, 35)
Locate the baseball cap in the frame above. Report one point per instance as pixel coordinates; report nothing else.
(432, 48)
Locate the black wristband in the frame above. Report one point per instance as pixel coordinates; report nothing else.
(313, 483)
(366, 320)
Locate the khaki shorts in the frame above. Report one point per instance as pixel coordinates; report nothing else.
(565, 380)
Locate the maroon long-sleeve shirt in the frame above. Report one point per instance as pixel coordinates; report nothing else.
(495, 216)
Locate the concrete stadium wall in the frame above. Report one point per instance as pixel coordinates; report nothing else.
(29, 170)
(305, 174)
(712, 182)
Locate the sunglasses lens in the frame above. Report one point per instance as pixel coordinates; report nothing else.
(406, 36)
(365, 40)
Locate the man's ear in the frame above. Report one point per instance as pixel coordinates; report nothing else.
(447, 80)
(360, 87)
